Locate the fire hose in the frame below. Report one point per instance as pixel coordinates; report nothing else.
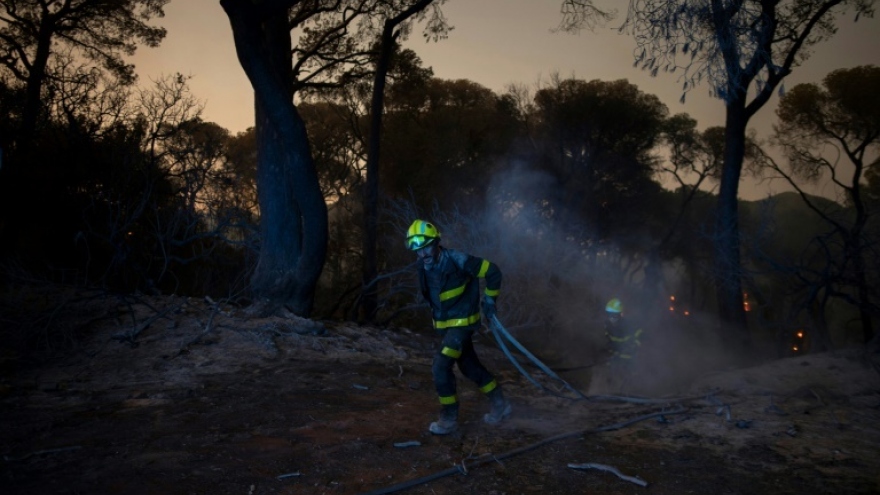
(487, 458)
(501, 334)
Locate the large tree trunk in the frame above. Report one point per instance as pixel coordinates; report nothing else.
(293, 214)
(728, 265)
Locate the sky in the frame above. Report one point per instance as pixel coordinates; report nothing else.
(495, 43)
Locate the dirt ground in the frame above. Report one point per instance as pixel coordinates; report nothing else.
(169, 395)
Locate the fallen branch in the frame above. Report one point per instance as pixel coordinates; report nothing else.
(208, 328)
(130, 336)
(610, 469)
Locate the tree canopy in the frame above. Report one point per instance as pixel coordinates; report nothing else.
(833, 131)
(37, 38)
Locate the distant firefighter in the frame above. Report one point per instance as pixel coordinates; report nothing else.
(623, 341)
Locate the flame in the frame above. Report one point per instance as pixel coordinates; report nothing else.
(794, 348)
(687, 313)
(671, 308)
(672, 298)
(800, 334)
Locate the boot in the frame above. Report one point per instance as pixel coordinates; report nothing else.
(500, 408)
(447, 423)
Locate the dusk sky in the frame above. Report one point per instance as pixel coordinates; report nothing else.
(495, 43)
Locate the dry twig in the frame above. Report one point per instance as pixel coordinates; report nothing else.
(610, 469)
(131, 335)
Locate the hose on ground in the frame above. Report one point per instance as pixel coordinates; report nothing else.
(484, 459)
(501, 334)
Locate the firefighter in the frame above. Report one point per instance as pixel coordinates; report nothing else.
(449, 281)
(623, 341)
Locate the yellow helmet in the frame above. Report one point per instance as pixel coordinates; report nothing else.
(614, 306)
(421, 234)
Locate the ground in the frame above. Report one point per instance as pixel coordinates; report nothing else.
(172, 395)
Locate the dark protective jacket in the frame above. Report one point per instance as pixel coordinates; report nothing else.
(452, 288)
(624, 342)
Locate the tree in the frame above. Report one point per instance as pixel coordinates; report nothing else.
(443, 141)
(694, 160)
(819, 126)
(100, 31)
(737, 46)
(334, 48)
(597, 138)
(391, 32)
(293, 215)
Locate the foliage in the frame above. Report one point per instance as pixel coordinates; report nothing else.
(596, 139)
(100, 31)
(832, 131)
(336, 41)
(819, 126)
(42, 41)
(557, 185)
(583, 14)
(337, 152)
(334, 45)
(731, 44)
(446, 149)
(134, 195)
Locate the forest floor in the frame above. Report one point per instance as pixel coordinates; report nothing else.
(170, 395)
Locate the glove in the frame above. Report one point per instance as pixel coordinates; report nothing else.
(489, 310)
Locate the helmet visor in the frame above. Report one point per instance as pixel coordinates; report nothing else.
(416, 242)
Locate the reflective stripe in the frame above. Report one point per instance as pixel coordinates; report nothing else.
(618, 354)
(483, 269)
(453, 353)
(445, 296)
(457, 322)
(448, 400)
(491, 292)
(489, 387)
(618, 339)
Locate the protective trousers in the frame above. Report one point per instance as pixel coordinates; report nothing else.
(457, 347)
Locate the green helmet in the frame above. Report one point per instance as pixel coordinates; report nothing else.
(421, 234)
(614, 306)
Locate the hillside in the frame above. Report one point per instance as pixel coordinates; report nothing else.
(169, 395)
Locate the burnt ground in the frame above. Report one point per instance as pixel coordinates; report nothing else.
(181, 396)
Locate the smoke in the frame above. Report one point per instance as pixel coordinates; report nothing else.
(558, 276)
